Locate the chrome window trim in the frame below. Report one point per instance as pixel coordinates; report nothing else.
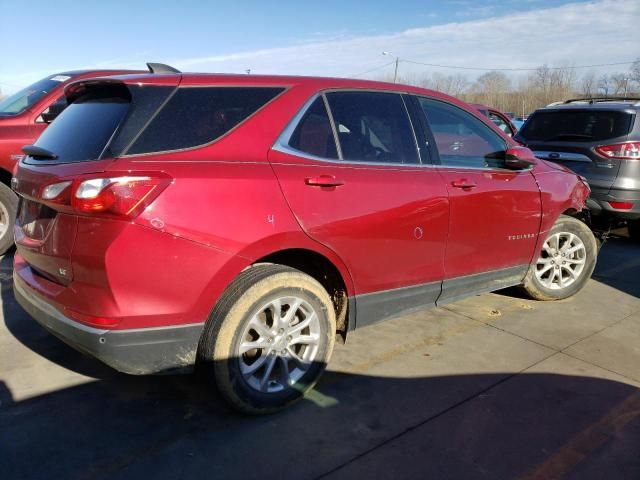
(334, 129)
(282, 142)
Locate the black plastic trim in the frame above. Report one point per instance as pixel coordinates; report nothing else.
(461, 287)
(139, 352)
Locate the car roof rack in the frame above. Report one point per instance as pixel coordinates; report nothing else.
(600, 99)
(161, 68)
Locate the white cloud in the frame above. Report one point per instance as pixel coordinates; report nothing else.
(573, 34)
(603, 31)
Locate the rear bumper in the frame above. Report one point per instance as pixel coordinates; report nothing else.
(135, 351)
(598, 203)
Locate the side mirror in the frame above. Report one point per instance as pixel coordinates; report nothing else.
(519, 158)
(55, 109)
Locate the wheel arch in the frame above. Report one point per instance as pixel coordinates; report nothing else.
(5, 177)
(322, 269)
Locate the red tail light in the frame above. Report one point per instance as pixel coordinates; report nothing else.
(122, 196)
(621, 205)
(623, 151)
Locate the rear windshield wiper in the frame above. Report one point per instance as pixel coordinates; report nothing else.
(39, 153)
(566, 136)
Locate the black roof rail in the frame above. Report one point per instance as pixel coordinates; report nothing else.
(161, 68)
(602, 99)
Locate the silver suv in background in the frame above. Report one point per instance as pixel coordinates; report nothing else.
(598, 138)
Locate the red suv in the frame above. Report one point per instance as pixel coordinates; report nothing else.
(241, 222)
(23, 117)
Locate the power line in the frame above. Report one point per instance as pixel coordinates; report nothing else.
(372, 69)
(460, 67)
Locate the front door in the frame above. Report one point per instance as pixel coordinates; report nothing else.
(367, 197)
(495, 212)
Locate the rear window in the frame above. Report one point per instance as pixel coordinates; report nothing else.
(199, 115)
(576, 125)
(82, 131)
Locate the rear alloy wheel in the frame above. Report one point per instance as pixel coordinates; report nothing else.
(268, 339)
(8, 209)
(566, 261)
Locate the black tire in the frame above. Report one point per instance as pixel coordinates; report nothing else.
(533, 285)
(8, 209)
(634, 230)
(219, 358)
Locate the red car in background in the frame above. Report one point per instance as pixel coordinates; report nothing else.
(500, 119)
(243, 222)
(23, 117)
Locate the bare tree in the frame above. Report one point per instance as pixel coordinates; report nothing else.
(634, 73)
(619, 83)
(588, 84)
(604, 84)
(492, 88)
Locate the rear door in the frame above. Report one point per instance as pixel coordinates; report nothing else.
(494, 212)
(569, 136)
(367, 197)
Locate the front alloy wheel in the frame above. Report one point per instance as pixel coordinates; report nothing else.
(562, 261)
(566, 261)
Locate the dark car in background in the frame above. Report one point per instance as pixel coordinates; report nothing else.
(598, 138)
(23, 117)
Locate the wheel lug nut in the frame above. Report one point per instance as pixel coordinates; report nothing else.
(283, 352)
(281, 330)
(564, 263)
(289, 338)
(269, 340)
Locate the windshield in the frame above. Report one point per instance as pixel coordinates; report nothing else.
(20, 101)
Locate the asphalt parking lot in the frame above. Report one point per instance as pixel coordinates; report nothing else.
(495, 386)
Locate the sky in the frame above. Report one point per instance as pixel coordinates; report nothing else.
(330, 38)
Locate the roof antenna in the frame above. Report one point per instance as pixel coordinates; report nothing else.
(161, 68)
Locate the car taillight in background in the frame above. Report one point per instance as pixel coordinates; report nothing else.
(621, 205)
(119, 196)
(622, 151)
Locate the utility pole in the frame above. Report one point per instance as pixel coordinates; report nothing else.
(395, 72)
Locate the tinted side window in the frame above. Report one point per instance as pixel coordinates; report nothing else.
(313, 135)
(198, 115)
(373, 127)
(461, 139)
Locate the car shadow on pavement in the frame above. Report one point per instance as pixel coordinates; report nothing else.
(533, 426)
(353, 425)
(616, 267)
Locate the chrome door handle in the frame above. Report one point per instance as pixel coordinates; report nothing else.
(464, 184)
(323, 181)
